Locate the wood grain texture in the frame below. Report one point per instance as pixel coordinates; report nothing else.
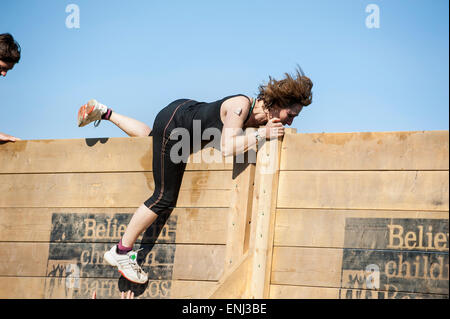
(193, 225)
(305, 292)
(421, 150)
(118, 154)
(198, 189)
(56, 288)
(396, 190)
(189, 262)
(340, 213)
(349, 269)
(326, 228)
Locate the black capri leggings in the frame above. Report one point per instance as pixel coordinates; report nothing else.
(167, 175)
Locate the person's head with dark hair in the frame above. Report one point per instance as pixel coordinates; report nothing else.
(9, 53)
(287, 97)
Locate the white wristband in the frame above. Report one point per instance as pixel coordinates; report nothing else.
(258, 137)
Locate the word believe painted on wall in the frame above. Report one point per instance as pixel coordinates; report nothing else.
(395, 258)
(78, 242)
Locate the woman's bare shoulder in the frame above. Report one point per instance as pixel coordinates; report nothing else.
(240, 105)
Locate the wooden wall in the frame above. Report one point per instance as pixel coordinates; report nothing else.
(355, 215)
(63, 203)
(347, 215)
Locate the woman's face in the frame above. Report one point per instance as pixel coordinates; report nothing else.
(286, 115)
(5, 67)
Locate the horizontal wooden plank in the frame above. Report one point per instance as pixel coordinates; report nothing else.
(94, 155)
(63, 288)
(424, 150)
(198, 189)
(306, 266)
(185, 225)
(23, 259)
(24, 224)
(199, 262)
(184, 289)
(396, 190)
(160, 261)
(22, 287)
(370, 228)
(419, 150)
(304, 292)
(389, 270)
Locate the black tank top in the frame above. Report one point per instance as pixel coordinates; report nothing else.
(207, 113)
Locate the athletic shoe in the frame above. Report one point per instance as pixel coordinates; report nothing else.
(127, 265)
(91, 111)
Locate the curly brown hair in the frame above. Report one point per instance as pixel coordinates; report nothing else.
(9, 48)
(287, 92)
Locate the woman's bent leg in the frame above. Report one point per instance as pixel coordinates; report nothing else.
(142, 219)
(167, 178)
(132, 127)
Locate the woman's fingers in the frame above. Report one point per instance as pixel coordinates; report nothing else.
(274, 128)
(276, 131)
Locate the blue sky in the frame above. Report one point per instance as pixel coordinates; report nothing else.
(137, 56)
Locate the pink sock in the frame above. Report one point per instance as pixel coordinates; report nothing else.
(107, 115)
(122, 250)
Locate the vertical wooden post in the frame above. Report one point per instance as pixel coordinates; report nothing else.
(248, 260)
(267, 167)
(240, 208)
(267, 171)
